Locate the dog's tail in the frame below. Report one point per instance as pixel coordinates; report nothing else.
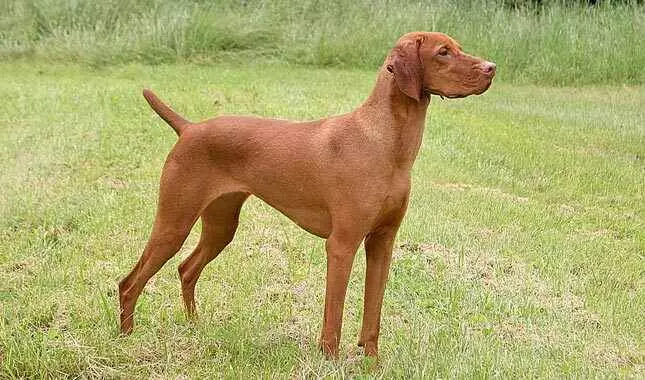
(171, 117)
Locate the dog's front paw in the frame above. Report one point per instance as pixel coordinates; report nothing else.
(330, 350)
(370, 348)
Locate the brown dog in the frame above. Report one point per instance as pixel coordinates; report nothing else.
(345, 178)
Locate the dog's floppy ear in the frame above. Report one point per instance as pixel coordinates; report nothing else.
(406, 65)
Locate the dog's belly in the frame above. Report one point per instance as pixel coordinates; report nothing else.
(311, 218)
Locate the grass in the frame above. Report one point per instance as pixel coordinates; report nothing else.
(558, 44)
(521, 254)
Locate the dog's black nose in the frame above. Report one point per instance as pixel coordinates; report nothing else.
(488, 67)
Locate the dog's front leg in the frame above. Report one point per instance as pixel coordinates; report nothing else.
(341, 249)
(378, 251)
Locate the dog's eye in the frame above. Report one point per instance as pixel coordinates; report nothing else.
(443, 52)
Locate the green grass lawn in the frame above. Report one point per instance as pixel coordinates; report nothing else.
(522, 254)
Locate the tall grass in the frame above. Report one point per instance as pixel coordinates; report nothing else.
(553, 43)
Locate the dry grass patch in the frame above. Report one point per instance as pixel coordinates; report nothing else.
(493, 192)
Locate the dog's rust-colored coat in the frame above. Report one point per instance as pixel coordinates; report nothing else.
(345, 178)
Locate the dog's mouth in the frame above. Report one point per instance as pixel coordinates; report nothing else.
(478, 90)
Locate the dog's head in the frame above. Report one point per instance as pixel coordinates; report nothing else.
(433, 63)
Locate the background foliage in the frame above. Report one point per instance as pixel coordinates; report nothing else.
(550, 42)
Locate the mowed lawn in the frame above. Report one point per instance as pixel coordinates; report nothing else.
(522, 254)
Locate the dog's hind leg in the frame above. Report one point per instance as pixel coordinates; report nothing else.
(219, 222)
(178, 210)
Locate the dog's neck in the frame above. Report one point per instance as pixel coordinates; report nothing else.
(399, 119)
